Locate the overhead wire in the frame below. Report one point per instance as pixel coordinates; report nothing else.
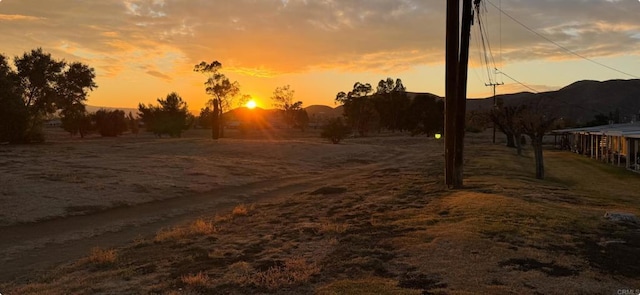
(487, 59)
(547, 95)
(559, 45)
(487, 51)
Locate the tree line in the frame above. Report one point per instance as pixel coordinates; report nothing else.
(40, 87)
(390, 107)
(37, 87)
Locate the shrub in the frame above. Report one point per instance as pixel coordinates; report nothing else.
(335, 130)
(170, 117)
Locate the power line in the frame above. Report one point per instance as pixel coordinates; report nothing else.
(560, 46)
(484, 46)
(546, 95)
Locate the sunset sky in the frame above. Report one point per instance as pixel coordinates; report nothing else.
(144, 49)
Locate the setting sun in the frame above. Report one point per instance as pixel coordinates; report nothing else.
(251, 104)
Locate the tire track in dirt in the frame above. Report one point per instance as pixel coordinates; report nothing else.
(27, 250)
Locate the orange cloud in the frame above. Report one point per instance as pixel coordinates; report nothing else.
(18, 17)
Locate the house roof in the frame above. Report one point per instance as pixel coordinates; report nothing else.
(626, 129)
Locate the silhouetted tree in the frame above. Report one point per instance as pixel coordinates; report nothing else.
(425, 115)
(359, 109)
(335, 130)
(392, 103)
(204, 119)
(110, 123)
(477, 121)
(222, 91)
(43, 86)
(13, 112)
(292, 112)
(49, 85)
(76, 120)
(169, 117)
(536, 124)
(504, 118)
(134, 126)
(301, 119)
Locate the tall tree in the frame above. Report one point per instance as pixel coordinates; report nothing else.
(292, 112)
(74, 85)
(391, 103)
(505, 119)
(133, 124)
(46, 85)
(204, 119)
(39, 77)
(13, 113)
(425, 115)
(72, 89)
(358, 108)
(222, 91)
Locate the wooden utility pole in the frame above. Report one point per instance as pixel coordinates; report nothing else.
(495, 105)
(457, 58)
(451, 78)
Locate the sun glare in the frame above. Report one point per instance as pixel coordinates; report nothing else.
(251, 104)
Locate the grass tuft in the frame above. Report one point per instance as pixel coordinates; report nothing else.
(240, 210)
(102, 257)
(197, 228)
(333, 228)
(294, 271)
(198, 280)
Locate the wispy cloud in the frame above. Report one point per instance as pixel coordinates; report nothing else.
(267, 38)
(18, 17)
(159, 75)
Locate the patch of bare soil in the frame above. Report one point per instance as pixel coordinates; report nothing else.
(379, 221)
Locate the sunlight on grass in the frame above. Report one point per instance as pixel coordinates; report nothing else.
(197, 228)
(102, 257)
(198, 280)
(240, 210)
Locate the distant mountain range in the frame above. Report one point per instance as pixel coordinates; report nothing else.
(93, 109)
(580, 101)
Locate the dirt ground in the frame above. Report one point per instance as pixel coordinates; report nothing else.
(69, 194)
(292, 214)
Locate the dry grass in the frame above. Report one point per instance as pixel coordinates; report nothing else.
(199, 227)
(102, 257)
(240, 210)
(372, 285)
(399, 231)
(293, 271)
(333, 228)
(239, 273)
(199, 280)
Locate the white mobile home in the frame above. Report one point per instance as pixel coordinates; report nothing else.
(618, 144)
